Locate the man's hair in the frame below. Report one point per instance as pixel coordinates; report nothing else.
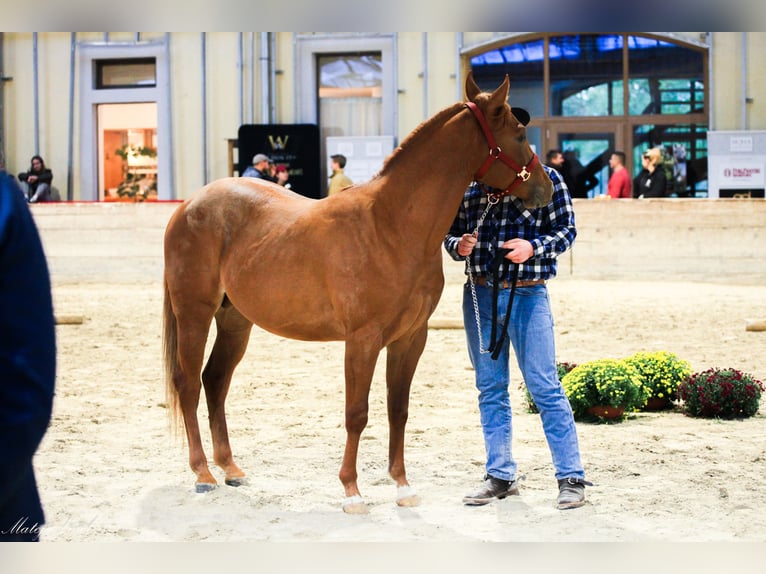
(621, 155)
(551, 154)
(340, 159)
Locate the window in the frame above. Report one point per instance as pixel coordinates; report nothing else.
(586, 75)
(616, 91)
(350, 94)
(665, 78)
(126, 73)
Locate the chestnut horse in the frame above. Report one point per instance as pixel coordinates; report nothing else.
(367, 262)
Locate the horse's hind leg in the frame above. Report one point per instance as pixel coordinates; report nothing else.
(233, 335)
(192, 338)
(402, 359)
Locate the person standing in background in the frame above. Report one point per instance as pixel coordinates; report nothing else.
(260, 167)
(651, 181)
(282, 175)
(618, 186)
(338, 179)
(27, 363)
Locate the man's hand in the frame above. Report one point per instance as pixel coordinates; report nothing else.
(466, 244)
(520, 250)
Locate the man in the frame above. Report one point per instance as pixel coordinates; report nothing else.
(27, 363)
(260, 167)
(567, 165)
(534, 239)
(338, 179)
(555, 159)
(619, 182)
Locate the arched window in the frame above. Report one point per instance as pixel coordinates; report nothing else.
(591, 94)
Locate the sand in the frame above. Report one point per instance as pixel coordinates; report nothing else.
(109, 469)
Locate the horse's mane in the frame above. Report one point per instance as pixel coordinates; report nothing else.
(421, 131)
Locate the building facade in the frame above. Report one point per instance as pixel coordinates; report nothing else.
(134, 115)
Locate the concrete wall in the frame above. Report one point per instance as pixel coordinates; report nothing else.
(710, 240)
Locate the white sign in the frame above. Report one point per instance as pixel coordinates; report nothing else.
(741, 144)
(741, 172)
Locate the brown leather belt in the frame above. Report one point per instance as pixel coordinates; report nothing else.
(507, 284)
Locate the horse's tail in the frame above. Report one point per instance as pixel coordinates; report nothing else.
(170, 353)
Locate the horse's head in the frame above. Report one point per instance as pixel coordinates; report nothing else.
(511, 165)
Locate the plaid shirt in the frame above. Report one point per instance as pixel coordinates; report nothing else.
(550, 229)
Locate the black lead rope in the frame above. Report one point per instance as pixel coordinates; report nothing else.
(499, 266)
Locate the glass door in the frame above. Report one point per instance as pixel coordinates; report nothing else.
(586, 164)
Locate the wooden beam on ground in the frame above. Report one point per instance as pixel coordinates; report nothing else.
(69, 319)
(445, 323)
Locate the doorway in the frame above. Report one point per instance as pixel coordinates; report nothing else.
(127, 151)
(586, 152)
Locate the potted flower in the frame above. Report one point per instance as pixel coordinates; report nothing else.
(563, 368)
(604, 389)
(722, 393)
(661, 373)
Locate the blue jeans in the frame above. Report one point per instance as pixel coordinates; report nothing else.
(530, 331)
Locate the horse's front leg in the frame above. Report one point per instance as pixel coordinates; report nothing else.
(402, 359)
(361, 355)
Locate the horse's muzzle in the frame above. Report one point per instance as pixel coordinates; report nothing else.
(540, 196)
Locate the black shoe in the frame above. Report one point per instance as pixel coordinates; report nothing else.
(492, 488)
(571, 493)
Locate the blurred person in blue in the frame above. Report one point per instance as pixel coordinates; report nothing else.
(260, 167)
(27, 363)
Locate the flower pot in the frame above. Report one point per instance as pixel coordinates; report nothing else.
(606, 412)
(657, 404)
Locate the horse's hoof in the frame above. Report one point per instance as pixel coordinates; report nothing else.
(355, 505)
(406, 496)
(202, 487)
(236, 481)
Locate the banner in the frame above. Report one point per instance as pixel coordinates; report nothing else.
(296, 146)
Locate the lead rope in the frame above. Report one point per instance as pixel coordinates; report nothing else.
(491, 200)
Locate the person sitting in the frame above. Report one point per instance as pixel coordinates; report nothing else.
(36, 183)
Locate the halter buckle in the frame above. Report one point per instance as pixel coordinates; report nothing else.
(524, 174)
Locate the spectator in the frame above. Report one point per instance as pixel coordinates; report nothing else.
(338, 180)
(651, 181)
(27, 364)
(36, 183)
(260, 167)
(555, 159)
(282, 176)
(618, 186)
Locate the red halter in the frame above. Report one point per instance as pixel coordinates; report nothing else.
(523, 173)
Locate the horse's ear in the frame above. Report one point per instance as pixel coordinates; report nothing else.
(500, 95)
(471, 88)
